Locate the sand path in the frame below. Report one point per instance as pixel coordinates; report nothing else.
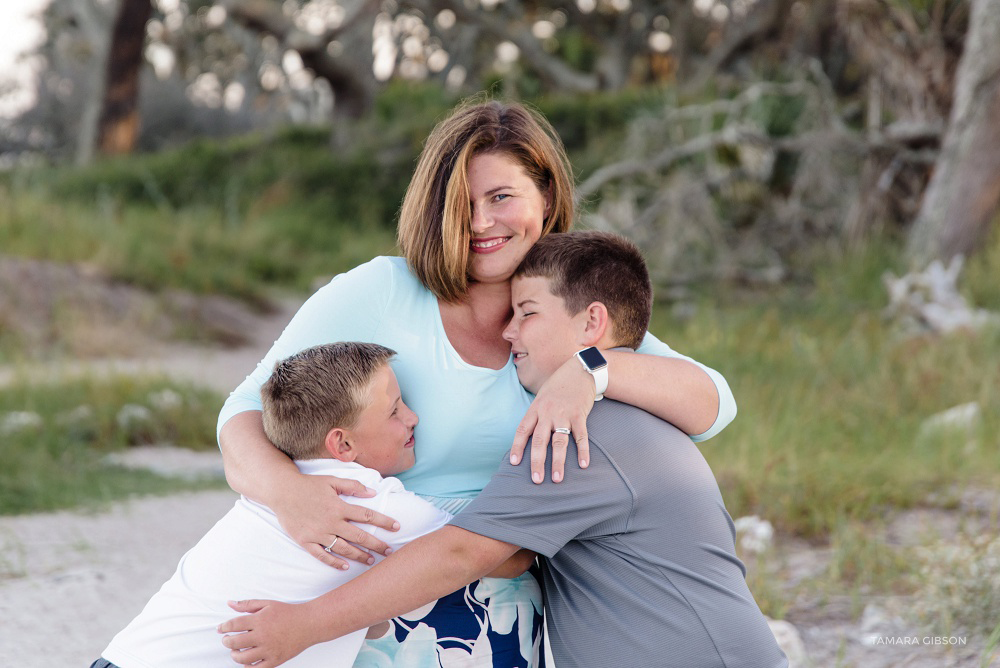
(70, 580)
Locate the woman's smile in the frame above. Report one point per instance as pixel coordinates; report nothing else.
(488, 245)
(508, 211)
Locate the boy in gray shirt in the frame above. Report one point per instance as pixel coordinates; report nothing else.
(640, 565)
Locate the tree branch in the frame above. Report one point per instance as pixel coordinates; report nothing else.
(352, 82)
(553, 70)
(733, 133)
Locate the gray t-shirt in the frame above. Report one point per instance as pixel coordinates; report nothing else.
(641, 566)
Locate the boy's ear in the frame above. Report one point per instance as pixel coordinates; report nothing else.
(338, 446)
(595, 324)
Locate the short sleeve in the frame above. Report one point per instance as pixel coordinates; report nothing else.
(594, 501)
(416, 516)
(727, 402)
(348, 308)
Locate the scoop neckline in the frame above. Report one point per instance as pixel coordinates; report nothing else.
(439, 322)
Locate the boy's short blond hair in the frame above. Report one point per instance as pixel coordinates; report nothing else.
(591, 266)
(316, 390)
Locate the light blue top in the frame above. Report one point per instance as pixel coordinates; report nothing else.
(468, 414)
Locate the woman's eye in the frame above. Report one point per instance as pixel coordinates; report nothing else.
(500, 197)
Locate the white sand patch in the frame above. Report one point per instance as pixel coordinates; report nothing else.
(70, 581)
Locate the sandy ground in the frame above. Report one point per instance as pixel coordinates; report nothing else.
(70, 581)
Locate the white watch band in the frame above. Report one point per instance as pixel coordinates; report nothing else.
(599, 374)
(600, 382)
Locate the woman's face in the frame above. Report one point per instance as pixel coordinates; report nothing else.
(508, 211)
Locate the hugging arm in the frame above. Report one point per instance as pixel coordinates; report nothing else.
(694, 398)
(309, 508)
(515, 566)
(423, 571)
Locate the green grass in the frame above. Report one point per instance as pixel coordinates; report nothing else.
(195, 248)
(831, 401)
(60, 461)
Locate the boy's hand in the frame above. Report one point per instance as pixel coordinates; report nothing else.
(272, 634)
(565, 400)
(313, 514)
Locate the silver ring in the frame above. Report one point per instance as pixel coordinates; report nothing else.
(329, 548)
(561, 430)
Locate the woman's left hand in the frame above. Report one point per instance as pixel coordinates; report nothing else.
(563, 401)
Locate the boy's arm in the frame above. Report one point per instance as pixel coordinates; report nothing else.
(423, 571)
(515, 567)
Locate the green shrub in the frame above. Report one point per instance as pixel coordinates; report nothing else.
(56, 437)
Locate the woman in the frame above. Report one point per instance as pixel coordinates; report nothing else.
(492, 179)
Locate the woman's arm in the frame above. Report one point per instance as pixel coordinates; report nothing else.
(673, 389)
(692, 397)
(309, 507)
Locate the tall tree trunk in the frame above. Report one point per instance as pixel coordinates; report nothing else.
(118, 129)
(92, 19)
(963, 197)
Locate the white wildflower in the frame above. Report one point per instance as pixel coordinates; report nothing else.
(73, 418)
(132, 415)
(18, 421)
(754, 534)
(165, 400)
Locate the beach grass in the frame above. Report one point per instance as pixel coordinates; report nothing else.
(195, 248)
(57, 435)
(833, 400)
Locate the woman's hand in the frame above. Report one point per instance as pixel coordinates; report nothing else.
(313, 514)
(271, 634)
(563, 401)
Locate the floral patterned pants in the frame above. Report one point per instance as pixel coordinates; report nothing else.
(491, 623)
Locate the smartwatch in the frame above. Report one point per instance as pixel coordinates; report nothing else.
(595, 364)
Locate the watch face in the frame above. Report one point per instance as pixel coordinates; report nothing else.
(593, 358)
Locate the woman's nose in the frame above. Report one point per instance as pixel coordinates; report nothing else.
(480, 222)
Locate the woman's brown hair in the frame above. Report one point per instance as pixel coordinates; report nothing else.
(435, 220)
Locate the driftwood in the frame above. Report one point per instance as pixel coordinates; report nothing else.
(929, 300)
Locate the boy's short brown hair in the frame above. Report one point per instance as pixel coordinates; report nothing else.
(317, 389)
(587, 267)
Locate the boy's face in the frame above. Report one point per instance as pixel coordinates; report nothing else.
(542, 334)
(383, 436)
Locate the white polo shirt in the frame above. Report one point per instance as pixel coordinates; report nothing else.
(247, 555)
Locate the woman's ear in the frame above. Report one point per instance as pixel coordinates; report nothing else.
(338, 445)
(595, 323)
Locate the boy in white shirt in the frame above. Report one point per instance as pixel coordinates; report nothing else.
(336, 410)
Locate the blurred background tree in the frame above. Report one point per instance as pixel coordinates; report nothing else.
(736, 133)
